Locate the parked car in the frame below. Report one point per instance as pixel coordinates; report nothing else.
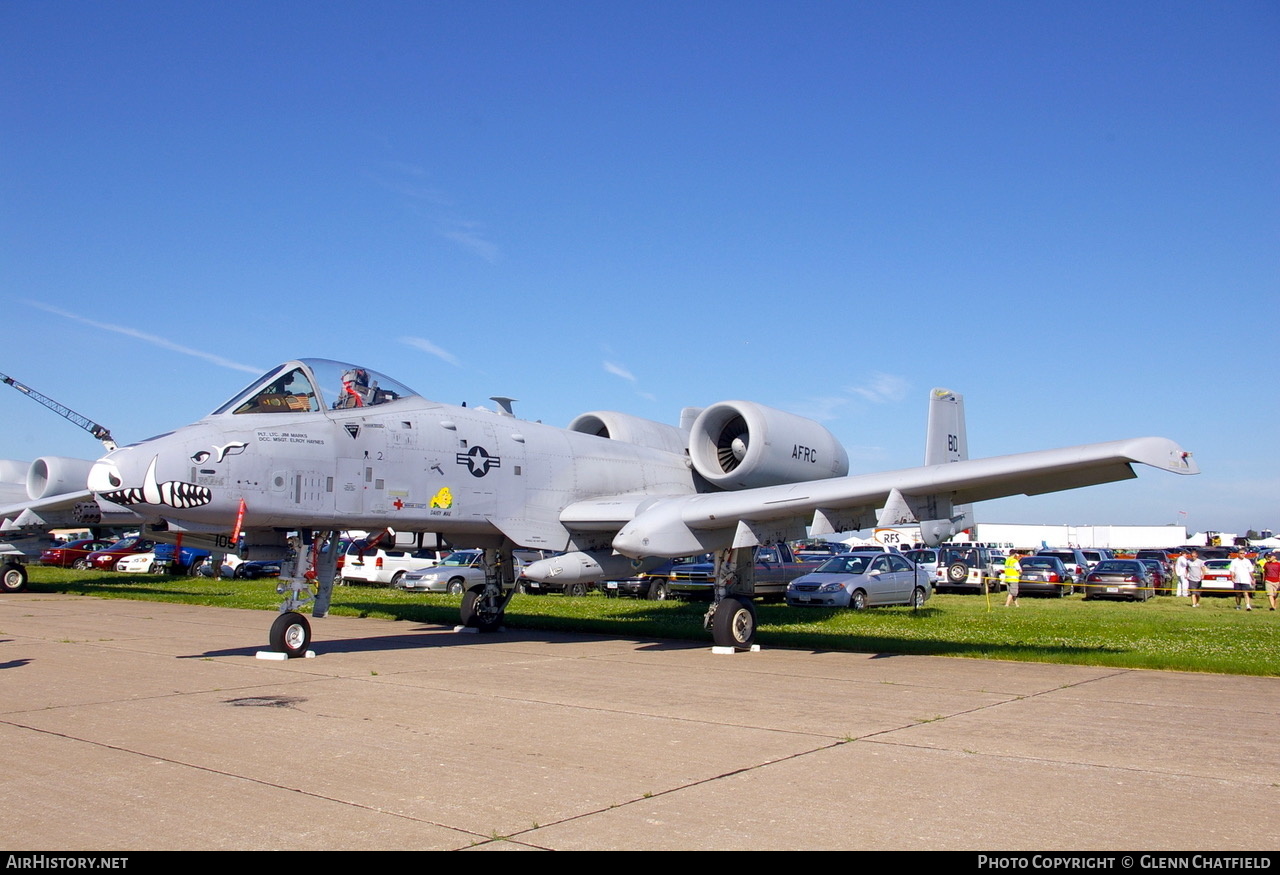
(1217, 578)
(106, 559)
(774, 566)
(189, 558)
(459, 571)
(1161, 575)
(1075, 560)
(1119, 579)
(967, 567)
(256, 568)
(1044, 574)
(652, 585)
(818, 551)
(67, 555)
(860, 580)
(230, 563)
(926, 559)
(384, 565)
(138, 563)
(1094, 556)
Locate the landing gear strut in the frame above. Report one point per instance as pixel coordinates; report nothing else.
(483, 605)
(732, 617)
(307, 579)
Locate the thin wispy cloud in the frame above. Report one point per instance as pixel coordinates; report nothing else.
(881, 389)
(622, 371)
(410, 182)
(619, 371)
(421, 343)
(819, 409)
(468, 235)
(152, 339)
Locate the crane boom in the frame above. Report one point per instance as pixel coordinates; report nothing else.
(98, 431)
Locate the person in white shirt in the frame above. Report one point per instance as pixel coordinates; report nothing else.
(1195, 577)
(1180, 571)
(1241, 571)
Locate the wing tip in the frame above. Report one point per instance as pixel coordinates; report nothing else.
(1164, 454)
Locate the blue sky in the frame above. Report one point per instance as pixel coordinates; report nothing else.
(1067, 211)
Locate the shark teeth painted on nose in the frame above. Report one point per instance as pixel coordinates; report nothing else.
(173, 493)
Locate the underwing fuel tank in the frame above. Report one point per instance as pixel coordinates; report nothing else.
(586, 567)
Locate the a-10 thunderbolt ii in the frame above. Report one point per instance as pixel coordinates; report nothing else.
(316, 447)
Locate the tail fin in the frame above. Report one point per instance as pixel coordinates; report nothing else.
(946, 440)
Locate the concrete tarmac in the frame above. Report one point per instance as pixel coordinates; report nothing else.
(141, 725)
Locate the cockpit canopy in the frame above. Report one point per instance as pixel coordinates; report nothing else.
(312, 385)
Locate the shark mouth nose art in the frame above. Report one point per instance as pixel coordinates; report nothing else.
(174, 493)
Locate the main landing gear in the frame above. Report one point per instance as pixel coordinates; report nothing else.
(13, 577)
(308, 578)
(484, 605)
(732, 617)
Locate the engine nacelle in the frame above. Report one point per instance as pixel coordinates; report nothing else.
(14, 472)
(742, 445)
(56, 475)
(630, 429)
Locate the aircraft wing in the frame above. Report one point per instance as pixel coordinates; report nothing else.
(54, 512)
(683, 525)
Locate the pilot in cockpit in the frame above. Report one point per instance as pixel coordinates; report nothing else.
(356, 391)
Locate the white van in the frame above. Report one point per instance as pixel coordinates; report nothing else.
(379, 565)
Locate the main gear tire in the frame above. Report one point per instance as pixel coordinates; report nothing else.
(734, 623)
(13, 578)
(290, 634)
(475, 614)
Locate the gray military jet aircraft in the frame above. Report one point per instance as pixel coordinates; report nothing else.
(318, 447)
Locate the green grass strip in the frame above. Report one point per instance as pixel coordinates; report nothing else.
(1164, 633)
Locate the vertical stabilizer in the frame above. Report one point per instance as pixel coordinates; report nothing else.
(946, 440)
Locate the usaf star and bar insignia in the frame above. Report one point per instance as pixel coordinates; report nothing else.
(478, 461)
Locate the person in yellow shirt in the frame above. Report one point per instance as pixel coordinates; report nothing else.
(1010, 577)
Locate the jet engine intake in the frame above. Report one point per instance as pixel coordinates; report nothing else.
(742, 445)
(630, 429)
(56, 475)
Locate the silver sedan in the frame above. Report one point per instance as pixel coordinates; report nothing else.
(861, 580)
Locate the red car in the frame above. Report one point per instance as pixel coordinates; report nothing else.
(73, 553)
(1161, 576)
(105, 560)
